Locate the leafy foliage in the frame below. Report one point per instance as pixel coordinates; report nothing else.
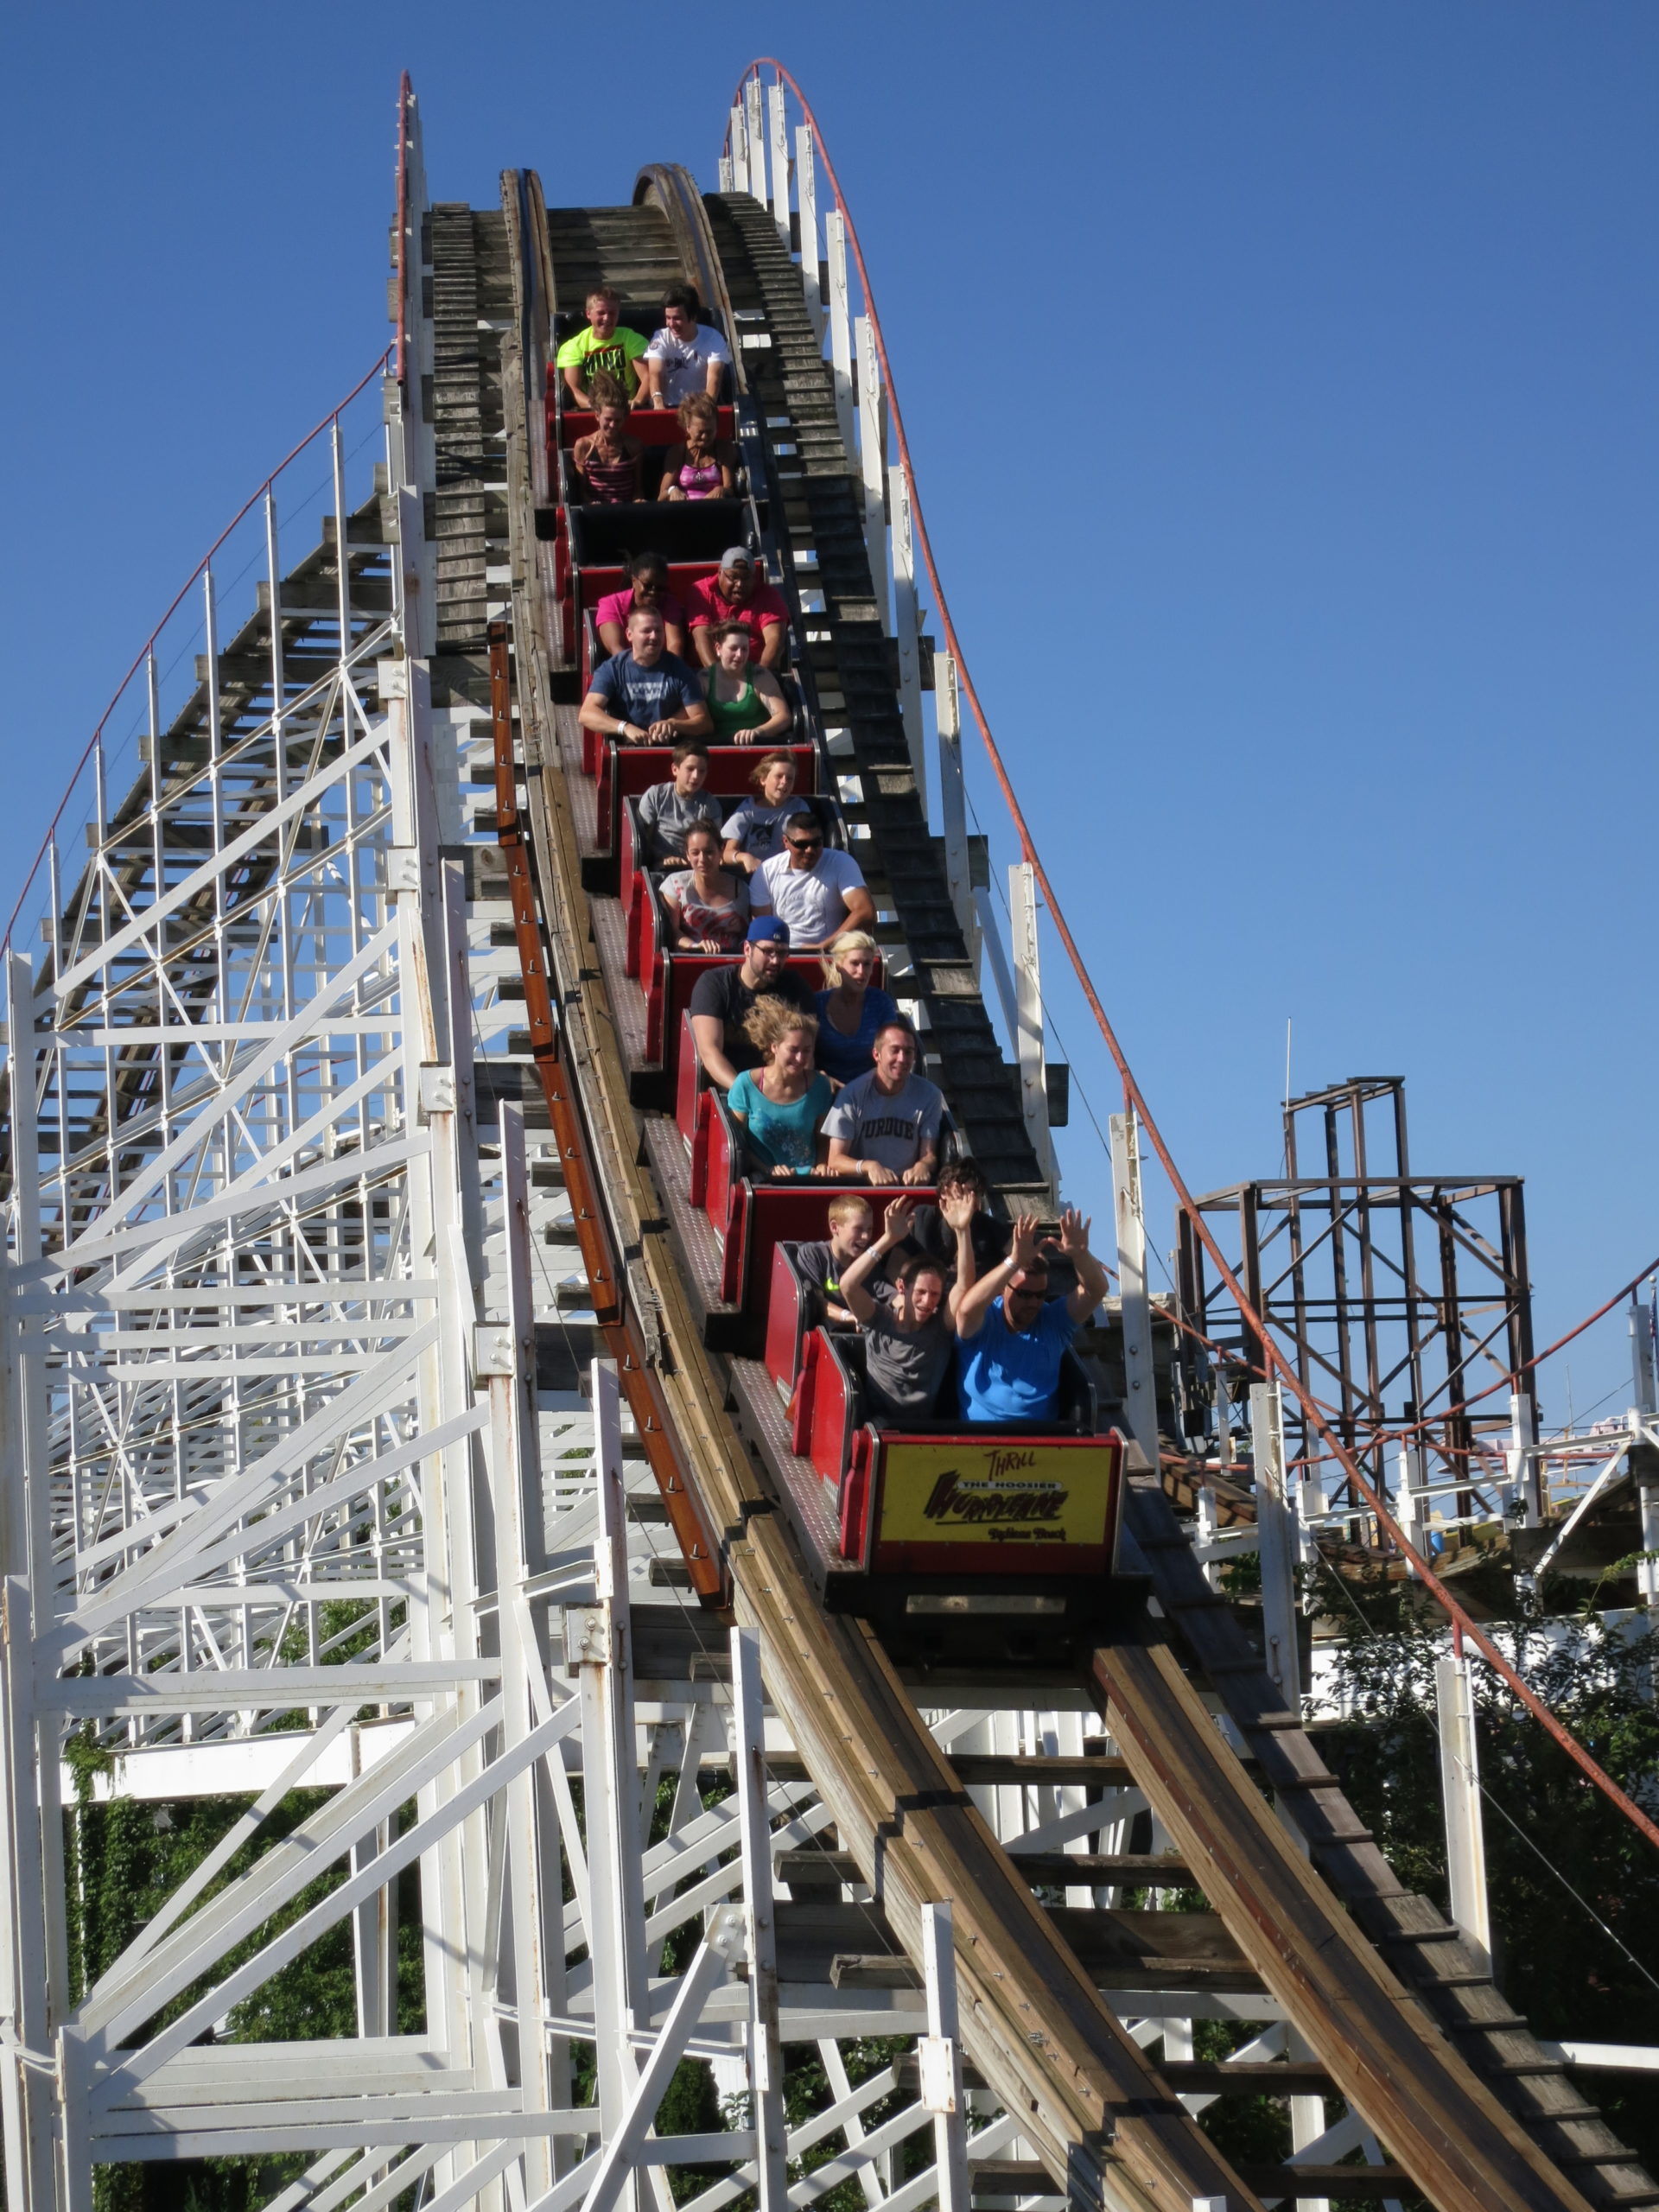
(1573, 1888)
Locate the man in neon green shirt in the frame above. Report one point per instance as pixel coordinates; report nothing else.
(603, 347)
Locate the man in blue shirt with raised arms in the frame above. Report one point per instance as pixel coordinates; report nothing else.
(1009, 1336)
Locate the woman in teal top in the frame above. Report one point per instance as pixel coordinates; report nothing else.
(745, 703)
(781, 1103)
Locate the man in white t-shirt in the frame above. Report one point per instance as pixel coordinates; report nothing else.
(884, 1126)
(685, 356)
(819, 893)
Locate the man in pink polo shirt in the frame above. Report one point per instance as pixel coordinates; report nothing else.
(737, 594)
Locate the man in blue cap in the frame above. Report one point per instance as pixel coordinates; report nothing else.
(723, 998)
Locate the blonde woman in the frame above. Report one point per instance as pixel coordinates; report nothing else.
(781, 1103)
(852, 1011)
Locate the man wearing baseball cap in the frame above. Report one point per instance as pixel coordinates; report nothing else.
(723, 998)
(738, 593)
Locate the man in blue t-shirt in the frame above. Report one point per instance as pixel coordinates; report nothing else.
(646, 694)
(1009, 1337)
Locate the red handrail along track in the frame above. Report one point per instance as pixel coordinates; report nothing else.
(1468, 1629)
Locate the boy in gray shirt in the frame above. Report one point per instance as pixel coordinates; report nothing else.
(668, 810)
(910, 1339)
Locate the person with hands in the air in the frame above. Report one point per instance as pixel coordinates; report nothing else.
(1011, 1336)
(646, 695)
(908, 1339)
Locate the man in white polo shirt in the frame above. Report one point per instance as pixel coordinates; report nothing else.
(818, 891)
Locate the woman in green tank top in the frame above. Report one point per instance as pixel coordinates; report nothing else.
(744, 704)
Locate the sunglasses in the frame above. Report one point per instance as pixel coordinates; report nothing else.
(803, 844)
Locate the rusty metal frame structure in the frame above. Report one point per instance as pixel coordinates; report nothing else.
(1397, 1296)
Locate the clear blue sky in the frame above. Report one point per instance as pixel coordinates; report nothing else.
(1282, 383)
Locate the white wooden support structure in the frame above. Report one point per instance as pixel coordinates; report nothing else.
(991, 944)
(1206, 1529)
(1279, 1543)
(953, 801)
(1644, 1380)
(1129, 1222)
(1524, 1493)
(1465, 1842)
(625, 2142)
(765, 2051)
(1411, 1500)
(806, 196)
(739, 156)
(755, 136)
(906, 627)
(939, 2056)
(777, 136)
(872, 463)
(1028, 1020)
(1308, 2120)
(841, 330)
(598, 1641)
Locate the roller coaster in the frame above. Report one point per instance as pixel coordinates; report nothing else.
(413, 1397)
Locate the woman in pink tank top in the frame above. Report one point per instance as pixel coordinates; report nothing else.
(700, 466)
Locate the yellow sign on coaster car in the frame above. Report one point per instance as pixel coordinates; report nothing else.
(1005, 1504)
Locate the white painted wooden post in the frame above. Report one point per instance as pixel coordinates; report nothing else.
(806, 196)
(872, 449)
(1130, 1220)
(766, 2055)
(1411, 1504)
(1465, 1842)
(939, 2055)
(1278, 1545)
(1645, 1391)
(1524, 1502)
(509, 1364)
(953, 801)
(1208, 1526)
(739, 154)
(1307, 2119)
(780, 137)
(25, 1557)
(841, 327)
(1028, 1014)
(755, 135)
(601, 1638)
(906, 628)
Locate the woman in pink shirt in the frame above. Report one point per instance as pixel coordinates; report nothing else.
(647, 587)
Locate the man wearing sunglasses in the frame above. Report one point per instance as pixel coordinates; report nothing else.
(1010, 1337)
(818, 892)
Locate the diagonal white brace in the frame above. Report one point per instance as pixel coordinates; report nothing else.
(706, 1972)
